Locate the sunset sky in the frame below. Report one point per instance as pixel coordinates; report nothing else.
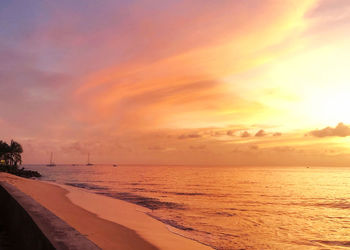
(256, 82)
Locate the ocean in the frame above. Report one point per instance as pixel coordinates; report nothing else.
(230, 207)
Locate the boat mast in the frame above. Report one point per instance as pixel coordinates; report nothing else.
(88, 163)
(51, 157)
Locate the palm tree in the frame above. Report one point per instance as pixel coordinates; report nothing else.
(15, 153)
(4, 150)
(10, 157)
(10, 154)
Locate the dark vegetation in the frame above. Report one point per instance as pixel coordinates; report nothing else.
(11, 159)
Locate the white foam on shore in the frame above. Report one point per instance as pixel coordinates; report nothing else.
(133, 217)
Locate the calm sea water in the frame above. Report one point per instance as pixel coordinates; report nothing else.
(230, 207)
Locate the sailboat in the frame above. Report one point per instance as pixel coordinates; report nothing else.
(88, 162)
(51, 164)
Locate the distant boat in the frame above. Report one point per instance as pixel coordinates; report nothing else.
(115, 165)
(51, 164)
(88, 162)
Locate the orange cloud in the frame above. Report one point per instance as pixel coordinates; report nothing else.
(277, 134)
(340, 130)
(189, 136)
(245, 134)
(260, 133)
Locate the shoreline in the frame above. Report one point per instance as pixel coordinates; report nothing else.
(108, 222)
(131, 216)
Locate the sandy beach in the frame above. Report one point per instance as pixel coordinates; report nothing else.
(108, 222)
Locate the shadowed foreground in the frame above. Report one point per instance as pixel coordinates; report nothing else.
(5, 243)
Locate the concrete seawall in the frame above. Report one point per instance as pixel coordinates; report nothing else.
(32, 226)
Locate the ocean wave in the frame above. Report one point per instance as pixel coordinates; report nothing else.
(334, 243)
(335, 204)
(151, 203)
(171, 192)
(175, 224)
(189, 194)
(86, 186)
(340, 205)
(184, 231)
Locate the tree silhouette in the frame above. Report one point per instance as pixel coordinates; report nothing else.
(10, 154)
(15, 153)
(10, 158)
(4, 149)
